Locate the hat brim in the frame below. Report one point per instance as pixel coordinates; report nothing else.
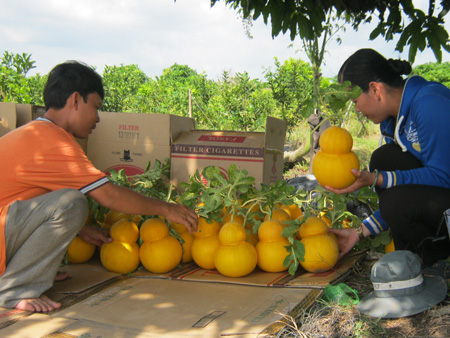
(434, 292)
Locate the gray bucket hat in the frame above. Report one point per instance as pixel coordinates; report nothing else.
(400, 289)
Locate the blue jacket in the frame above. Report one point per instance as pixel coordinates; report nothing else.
(423, 129)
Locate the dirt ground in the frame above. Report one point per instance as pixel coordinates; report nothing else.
(325, 320)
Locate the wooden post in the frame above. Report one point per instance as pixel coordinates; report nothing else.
(190, 104)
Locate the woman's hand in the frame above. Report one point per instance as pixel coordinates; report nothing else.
(347, 239)
(363, 179)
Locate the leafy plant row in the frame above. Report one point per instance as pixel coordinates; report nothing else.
(210, 192)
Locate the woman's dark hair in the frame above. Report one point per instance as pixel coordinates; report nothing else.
(70, 77)
(367, 65)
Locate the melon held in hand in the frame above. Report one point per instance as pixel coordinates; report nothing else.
(333, 162)
(321, 249)
(122, 254)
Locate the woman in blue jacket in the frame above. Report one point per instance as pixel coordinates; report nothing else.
(411, 170)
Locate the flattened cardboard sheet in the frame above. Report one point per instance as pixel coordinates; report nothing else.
(10, 316)
(302, 278)
(87, 328)
(82, 277)
(320, 280)
(35, 326)
(172, 308)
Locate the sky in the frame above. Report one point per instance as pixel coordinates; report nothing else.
(155, 34)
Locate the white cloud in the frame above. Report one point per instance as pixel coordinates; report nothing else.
(155, 34)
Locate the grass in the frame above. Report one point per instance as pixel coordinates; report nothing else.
(326, 320)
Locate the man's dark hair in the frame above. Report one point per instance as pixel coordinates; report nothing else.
(70, 77)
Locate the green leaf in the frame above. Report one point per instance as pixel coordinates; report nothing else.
(290, 230)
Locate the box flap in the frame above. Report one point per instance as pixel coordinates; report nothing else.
(275, 133)
(28, 112)
(24, 113)
(8, 117)
(180, 124)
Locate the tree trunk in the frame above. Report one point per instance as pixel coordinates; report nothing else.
(295, 155)
(318, 124)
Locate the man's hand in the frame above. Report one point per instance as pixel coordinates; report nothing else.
(182, 214)
(94, 235)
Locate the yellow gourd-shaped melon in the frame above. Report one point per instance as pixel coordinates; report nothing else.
(278, 214)
(271, 246)
(160, 252)
(122, 254)
(333, 162)
(321, 249)
(234, 257)
(205, 244)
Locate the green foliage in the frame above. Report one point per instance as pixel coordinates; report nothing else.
(169, 94)
(121, 86)
(376, 243)
(308, 20)
(241, 101)
(292, 84)
(20, 63)
(15, 86)
(439, 72)
(153, 182)
(335, 98)
(234, 102)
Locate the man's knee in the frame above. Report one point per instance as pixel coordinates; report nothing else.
(73, 202)
(74, 197)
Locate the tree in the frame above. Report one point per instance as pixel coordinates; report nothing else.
(121, 84)
(291, 83)
(311, 20)
(15, 86)
(315, 50)
(241, 103)
(439, 72)
(169, 93)
(308, 19)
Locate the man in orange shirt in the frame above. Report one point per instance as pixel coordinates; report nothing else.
(44, 178)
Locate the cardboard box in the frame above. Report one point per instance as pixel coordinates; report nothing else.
(14, 115)
(8, 117)
(28, 112)
(130, 140)
(260, 153)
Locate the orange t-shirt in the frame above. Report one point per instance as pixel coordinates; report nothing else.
(38, 158)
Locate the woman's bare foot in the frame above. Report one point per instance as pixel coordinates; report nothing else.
(41, 304)
(60, 276)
